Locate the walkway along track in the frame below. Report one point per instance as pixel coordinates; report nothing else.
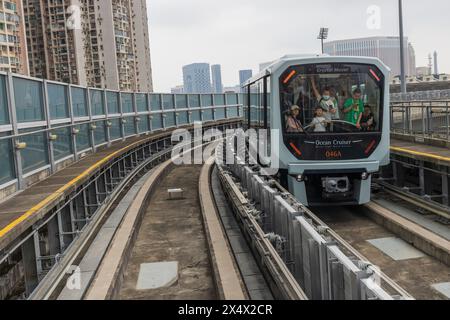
(412, 256)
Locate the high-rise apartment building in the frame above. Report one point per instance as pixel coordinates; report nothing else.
(197, 78)
(387, 49)
(216, 74)
(13, 49)
(97, 43)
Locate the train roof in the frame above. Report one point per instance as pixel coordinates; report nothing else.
(299, 57)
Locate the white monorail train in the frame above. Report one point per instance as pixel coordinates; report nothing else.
(333, 117)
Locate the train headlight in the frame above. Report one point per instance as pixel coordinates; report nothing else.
(365, 176)
(300, 178)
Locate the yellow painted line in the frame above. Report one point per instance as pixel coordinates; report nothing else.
(422, 154)
(61, 190)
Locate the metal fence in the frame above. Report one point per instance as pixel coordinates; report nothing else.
(44, 124)
(430, 119)
(421, 96)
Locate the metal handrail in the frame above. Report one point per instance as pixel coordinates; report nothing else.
(428, 119)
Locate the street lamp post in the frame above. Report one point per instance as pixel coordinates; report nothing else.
(323, 35)
(402, 48)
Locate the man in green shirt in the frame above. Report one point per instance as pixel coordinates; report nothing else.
(354, 109)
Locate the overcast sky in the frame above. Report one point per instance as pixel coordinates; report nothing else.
(240, 34)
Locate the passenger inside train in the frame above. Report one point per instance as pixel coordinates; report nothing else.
(326, 101)
(320, 122)
(293, 124)
(354, 108)
(368, 122)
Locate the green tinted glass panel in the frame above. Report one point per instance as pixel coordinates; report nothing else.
(62, 146)
(83, 138)
(57, 101)
(208, 115)
(232, 112)
(7, 172)
(168, 102)
(219, 100)
(232, 99)
(115, 131)
(100, 133)
(155, 102)
(194, 101)
(97, 103)
(183, 118)
(156, 122)
(4, 113)
(35, 155)
(196, 116)
(170, 119)
(28, 97)
(129, 127)
(144, 124)
(206, 100)
(181, 101)
(113, 102)
(79, 105)
(220, 113)
(141, 102)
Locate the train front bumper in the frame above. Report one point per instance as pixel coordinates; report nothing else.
(333, 167)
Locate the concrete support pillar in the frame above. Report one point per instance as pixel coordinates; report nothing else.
(53, 238)
(399, 174)
(30, 266)
(428, 182)
(422, 180)
(66, 227)
(445, 189)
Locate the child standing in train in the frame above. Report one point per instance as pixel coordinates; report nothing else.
(320, 123)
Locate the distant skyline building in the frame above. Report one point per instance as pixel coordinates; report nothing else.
(177, 90)
(13, 53)
(423, 71)
(108, 48)
(234, 89)
(197, 78)
(244, 75)
(216, 73)
(436, 68)
(387, 49)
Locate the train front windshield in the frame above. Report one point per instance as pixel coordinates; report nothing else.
(332, 111)
(332, 98)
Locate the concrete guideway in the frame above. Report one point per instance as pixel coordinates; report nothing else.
(227, 282)
(423, 239)
(165, 233)
(24, 209)
(410, 255)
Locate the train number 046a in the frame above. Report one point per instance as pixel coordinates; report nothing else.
(333, 154)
